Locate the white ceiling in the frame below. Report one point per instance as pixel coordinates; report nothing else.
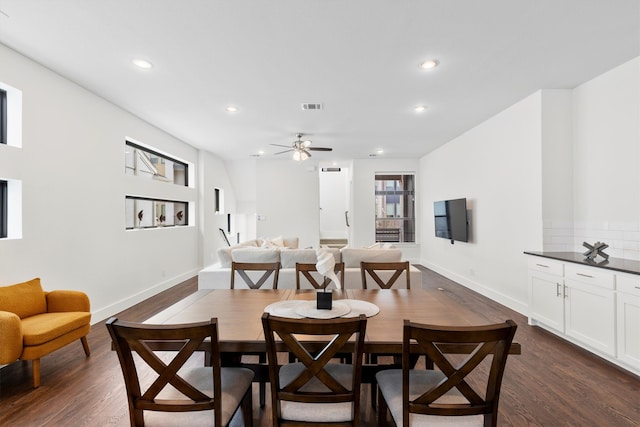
(359, 58)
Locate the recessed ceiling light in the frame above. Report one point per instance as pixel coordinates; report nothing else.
(420, 108)
(231, 109)
(429, 64)
(380, 151)
(142, 63)
(261, 152)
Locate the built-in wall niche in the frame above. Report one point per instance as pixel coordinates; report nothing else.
(218, 201)
(143, 212)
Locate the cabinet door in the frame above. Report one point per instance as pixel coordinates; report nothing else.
(590, 315)
(547, 304)
(628, 312)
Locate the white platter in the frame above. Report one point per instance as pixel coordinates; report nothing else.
(284, 309)
(360, 307)
(308, 309)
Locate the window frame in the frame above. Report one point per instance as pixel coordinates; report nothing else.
(154, 224)
(153, 152)
(3, 116)
(4, 209)
(407, 232)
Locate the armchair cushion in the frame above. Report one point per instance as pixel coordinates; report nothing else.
(45, 327)
(24, 299)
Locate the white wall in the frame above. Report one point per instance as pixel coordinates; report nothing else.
(363, 225)
(606, 176)
(556, 169)
(71, 165)
(287, 198)
(497, 167)
(213, 174)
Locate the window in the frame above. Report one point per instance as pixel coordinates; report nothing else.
(218, 195)
(3, 117)
(395, 208)
(141, 212)
(4, 222)
(147, 163)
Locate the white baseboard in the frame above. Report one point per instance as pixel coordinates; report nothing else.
(108, 311)
(514, 304)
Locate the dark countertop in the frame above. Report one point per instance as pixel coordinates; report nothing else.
(617, 264)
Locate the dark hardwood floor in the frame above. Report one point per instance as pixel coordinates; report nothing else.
(552, 383)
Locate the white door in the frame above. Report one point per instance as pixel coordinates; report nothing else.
(334, 203)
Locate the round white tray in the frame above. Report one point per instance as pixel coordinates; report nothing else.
(299, 309)
(359, 307)
(284, 309)
(308, 309)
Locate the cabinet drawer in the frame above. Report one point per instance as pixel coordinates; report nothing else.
(628, 283)
(546, 266)
(590, 275)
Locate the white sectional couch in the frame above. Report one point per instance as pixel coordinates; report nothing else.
(286, 251)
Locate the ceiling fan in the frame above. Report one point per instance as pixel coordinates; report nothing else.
(301, 148)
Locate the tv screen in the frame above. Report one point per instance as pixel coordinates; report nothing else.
(451, 219)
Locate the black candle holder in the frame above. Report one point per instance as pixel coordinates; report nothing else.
(324, 300)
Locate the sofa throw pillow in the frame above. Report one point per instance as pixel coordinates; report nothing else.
(24, 299)
(275, 242)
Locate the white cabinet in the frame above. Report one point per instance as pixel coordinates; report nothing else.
(546, 293)
(628, 319)
(590, 307)
(575, 301)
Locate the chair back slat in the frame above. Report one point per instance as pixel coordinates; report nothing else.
(374, 269)
(306, 270)
(268, 269)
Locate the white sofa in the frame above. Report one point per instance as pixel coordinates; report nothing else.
(218, 276)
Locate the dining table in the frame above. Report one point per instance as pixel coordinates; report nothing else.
(239, 313)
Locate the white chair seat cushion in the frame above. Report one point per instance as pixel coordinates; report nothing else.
(317, 412)
(235, 382)
(390, 384)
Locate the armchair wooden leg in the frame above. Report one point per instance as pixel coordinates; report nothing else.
(35, 367)
(85, 346)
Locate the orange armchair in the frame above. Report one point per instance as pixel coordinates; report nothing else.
(34, 323)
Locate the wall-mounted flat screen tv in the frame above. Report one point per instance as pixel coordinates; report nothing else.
(451, 219)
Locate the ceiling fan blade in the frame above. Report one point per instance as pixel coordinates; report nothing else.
(285, 151)
(320, 148)
(280, 145)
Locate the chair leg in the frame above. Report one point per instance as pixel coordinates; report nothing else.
(85, 346)
(382, 409)
(35, 368)
(247, 409)
(262, 358)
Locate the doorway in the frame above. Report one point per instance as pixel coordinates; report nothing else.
(334, 206)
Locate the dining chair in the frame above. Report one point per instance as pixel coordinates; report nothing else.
(315, 390)
(176, 386)
(460, 387)
(307, 271)
(385, 274)
(246, 271)
(267, 269)
(390, 271)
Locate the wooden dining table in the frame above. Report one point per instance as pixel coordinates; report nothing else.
(239, 313)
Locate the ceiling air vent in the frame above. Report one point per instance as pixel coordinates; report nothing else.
(312, 106)
(330, 169)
